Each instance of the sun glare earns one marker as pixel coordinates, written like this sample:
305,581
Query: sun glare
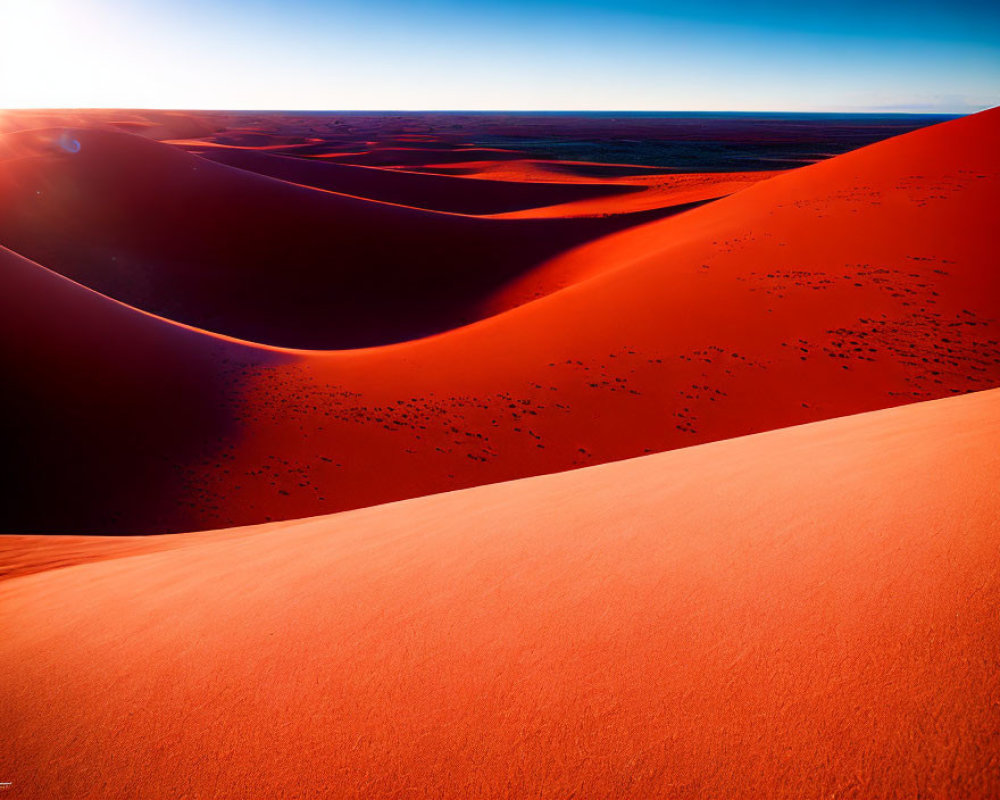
59,53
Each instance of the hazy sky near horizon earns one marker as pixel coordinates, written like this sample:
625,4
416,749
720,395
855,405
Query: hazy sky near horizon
505,54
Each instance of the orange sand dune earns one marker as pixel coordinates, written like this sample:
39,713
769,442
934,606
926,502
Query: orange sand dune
804,613
863,282
254,257
28,554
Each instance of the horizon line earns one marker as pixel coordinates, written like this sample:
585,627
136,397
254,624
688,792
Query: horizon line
221,110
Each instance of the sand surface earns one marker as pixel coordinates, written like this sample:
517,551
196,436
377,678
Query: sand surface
865,281
803,613
323,357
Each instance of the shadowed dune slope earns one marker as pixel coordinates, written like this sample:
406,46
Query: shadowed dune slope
104,406
419,190
416,156
838,294
255,257
808,612
530,196
529,169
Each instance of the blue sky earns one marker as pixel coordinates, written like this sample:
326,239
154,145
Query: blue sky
506,54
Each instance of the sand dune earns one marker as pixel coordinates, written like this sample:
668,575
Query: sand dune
593,142
105,408
658,191
254,257
773,307
804,613
528,191
416,156
750,316
435,192
836,205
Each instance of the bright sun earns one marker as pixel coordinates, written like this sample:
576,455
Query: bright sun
36,49
60,53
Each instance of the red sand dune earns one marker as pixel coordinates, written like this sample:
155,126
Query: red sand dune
200,146
565,171
418,190
655,191
805,613
862,282
419,156
105,407
535,133
861,201
763,316
250,256
529,192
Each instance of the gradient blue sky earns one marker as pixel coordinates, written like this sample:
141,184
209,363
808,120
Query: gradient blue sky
506,54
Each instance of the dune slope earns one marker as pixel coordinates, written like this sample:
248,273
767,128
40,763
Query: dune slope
104,408
863,282
808,612
256,257
418,190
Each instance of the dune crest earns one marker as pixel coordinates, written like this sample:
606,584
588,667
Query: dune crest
259,258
